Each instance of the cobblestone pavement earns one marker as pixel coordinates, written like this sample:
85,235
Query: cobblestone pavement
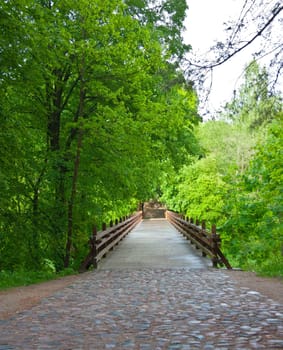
149,309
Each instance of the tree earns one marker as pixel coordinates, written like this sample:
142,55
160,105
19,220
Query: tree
93,120
236,180
254,226
254,105
202,191
257,26
167,19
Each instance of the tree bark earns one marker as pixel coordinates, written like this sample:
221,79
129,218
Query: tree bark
71,201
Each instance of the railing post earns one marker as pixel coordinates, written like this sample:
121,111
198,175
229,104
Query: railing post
111,225
208,243
214,243
104,226
203,227
93,241
197,224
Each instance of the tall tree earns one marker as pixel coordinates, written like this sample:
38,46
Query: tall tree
254,105
94,109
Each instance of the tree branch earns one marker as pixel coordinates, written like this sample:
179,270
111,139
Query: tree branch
259,33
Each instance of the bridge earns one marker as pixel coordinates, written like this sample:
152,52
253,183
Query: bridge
155,241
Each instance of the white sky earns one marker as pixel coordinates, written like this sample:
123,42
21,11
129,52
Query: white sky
204,25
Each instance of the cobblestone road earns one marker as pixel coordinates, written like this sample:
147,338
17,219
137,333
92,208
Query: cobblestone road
149,309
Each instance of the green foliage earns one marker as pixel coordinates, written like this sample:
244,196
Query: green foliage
271,267
201,191
92,115
10,279
254,106
257,210
237,180
167,19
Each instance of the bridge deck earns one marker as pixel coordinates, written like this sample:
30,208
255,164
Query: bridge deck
154,243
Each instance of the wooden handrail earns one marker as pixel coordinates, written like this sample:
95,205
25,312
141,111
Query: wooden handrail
103,241
209,243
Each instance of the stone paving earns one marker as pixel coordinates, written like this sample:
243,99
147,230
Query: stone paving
167,299
149,309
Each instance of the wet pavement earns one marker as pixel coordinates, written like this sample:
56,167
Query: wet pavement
149,308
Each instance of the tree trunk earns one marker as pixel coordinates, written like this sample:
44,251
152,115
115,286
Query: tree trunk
75,176
72,200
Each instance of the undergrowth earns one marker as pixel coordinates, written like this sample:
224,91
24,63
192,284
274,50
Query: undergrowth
9,279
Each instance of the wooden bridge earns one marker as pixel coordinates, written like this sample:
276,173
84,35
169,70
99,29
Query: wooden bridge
155,241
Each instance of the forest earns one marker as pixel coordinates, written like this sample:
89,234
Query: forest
97,116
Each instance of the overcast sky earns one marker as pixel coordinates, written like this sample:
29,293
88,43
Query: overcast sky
204,25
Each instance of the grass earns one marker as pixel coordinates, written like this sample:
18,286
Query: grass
10,279
272,267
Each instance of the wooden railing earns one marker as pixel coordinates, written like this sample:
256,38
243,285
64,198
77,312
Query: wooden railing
103,241
207,242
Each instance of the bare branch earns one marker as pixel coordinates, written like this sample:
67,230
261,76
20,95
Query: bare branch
255,27
259,33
